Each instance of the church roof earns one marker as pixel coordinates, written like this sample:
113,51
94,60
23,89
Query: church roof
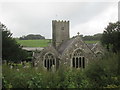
64,45
90,45
68,43
98,47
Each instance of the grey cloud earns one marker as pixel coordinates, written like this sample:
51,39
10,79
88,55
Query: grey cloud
37,17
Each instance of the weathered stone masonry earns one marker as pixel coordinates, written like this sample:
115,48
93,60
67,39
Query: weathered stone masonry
72,52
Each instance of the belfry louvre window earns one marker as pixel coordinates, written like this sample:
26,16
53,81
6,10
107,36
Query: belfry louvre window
78,60
49,61
62,28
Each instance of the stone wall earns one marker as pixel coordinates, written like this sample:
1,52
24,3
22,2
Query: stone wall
60,32
77,44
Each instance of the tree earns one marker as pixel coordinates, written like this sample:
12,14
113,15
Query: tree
31,37
97,36
11,50
111,37
92,37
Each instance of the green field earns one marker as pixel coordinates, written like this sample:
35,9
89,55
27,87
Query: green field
91,42
34,43
41,43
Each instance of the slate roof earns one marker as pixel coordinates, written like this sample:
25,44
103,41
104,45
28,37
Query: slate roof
90,45
64,45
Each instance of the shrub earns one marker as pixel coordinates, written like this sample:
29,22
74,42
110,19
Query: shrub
99,74
35,81
103,72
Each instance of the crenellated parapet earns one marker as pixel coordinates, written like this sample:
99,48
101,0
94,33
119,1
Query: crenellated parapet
60,30
60,21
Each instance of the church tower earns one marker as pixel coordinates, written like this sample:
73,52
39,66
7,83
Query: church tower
60,32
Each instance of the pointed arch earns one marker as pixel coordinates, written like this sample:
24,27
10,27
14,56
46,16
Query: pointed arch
49,60
78,59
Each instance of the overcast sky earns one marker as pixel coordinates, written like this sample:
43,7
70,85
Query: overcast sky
88,18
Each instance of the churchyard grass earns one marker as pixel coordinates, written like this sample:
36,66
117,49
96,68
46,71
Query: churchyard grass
41,43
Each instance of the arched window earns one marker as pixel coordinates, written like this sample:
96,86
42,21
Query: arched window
49,61
78,60
73,62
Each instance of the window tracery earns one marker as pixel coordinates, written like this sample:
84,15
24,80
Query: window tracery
78,60
49,61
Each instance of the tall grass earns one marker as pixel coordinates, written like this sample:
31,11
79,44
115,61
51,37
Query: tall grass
39,78
104,72
99,74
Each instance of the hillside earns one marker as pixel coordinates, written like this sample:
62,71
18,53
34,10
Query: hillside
34,43
41,43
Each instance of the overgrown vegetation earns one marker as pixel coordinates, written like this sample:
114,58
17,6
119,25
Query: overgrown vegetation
104,72
99,74
111,37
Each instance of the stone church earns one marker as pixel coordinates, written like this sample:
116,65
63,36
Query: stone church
63,50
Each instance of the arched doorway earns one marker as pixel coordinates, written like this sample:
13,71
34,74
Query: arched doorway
49,61
78,59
